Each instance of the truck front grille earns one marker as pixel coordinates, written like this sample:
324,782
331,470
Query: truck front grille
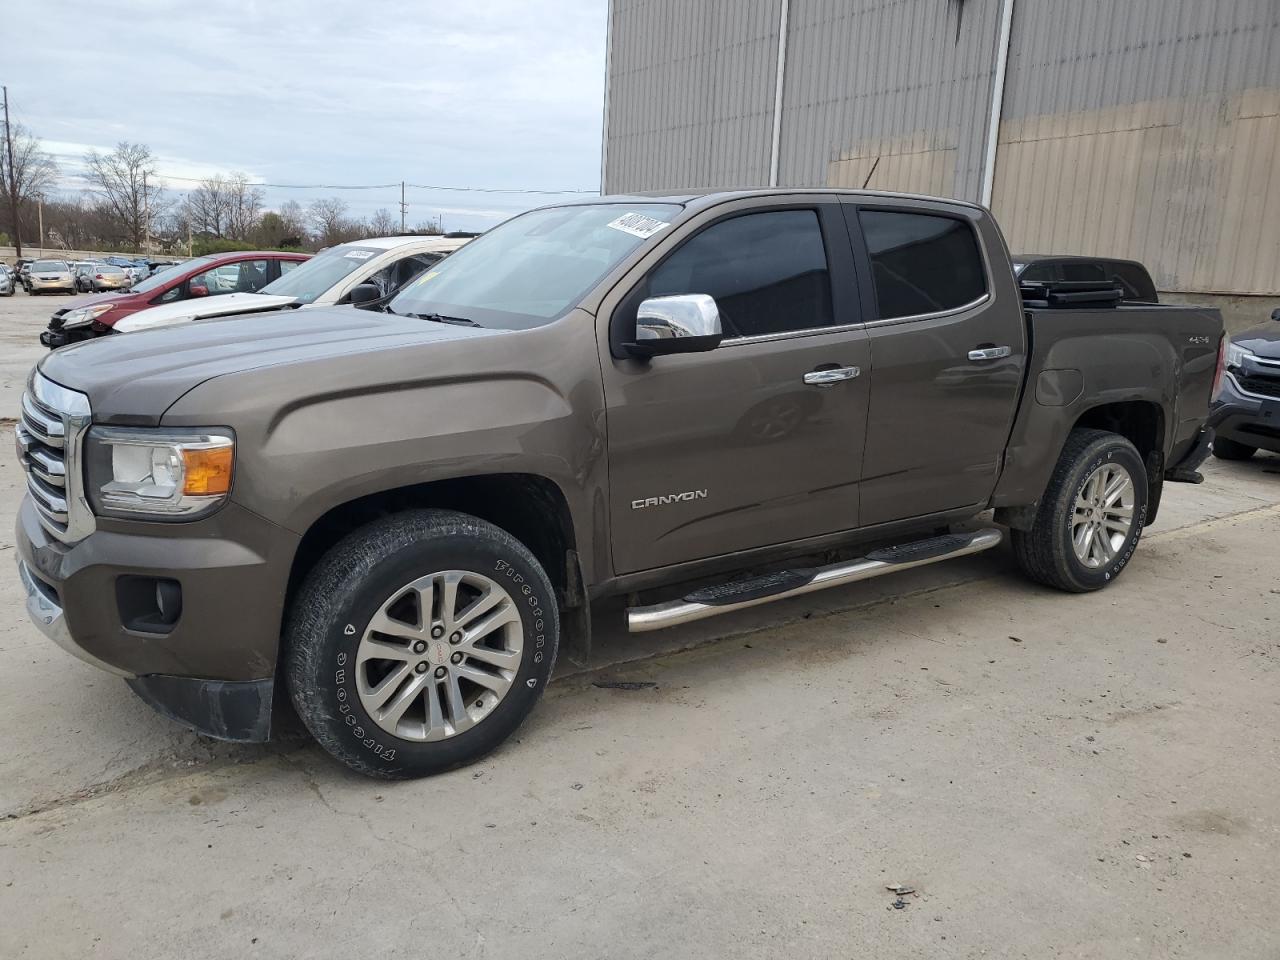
1260,386
50,436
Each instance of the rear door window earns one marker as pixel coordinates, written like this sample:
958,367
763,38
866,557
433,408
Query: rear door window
922,263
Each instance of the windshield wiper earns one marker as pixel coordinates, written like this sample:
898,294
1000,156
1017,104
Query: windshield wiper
441,318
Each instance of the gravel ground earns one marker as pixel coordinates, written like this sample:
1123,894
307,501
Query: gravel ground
1054,776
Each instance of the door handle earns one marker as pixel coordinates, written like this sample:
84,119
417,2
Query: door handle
825,378
990,353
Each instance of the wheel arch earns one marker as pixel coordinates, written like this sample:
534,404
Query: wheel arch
1031,460
1142,423
530,507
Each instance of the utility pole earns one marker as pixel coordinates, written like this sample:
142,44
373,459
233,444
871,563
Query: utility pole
10,178
146,214
40,214
188,237
403,206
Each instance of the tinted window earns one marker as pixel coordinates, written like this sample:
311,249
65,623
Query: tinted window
922,263
1135,281
1039,273
1075,270
767,272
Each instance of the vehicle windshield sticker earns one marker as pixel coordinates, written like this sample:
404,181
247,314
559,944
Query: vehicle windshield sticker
359,255
638,225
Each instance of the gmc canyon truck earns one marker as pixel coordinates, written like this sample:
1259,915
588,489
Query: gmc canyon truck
701,403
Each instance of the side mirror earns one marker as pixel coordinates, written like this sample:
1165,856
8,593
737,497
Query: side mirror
198,290
364,293
1275,314
688,323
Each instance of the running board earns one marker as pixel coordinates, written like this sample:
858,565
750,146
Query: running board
740,594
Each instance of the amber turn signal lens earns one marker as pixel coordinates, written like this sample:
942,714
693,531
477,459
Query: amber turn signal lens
207,472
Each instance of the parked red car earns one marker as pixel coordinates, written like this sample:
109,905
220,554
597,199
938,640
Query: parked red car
240,272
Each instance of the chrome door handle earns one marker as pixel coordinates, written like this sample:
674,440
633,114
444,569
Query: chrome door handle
990,353
824,378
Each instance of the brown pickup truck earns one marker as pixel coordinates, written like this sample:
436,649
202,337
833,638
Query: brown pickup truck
700,402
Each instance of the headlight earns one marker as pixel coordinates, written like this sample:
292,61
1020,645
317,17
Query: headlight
84,316
158,474
1237,355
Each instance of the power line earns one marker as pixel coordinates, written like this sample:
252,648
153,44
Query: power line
385,186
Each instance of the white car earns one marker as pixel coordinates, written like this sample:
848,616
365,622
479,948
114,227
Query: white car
379,267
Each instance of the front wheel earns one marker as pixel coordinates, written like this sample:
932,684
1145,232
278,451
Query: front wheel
420,643
1091,517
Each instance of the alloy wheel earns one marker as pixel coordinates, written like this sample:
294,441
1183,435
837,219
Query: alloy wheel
1103,515
439,655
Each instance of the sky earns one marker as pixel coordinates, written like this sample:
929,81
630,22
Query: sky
484,93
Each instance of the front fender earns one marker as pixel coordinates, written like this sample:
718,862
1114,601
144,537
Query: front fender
313,436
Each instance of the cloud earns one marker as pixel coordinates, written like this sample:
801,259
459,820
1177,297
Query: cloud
488,93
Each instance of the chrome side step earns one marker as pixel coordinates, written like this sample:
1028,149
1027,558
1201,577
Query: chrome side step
725,598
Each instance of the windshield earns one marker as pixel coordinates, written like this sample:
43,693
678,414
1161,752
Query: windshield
163,278
307,281
49,266
535,267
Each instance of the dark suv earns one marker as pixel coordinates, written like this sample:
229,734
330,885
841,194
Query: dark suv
1246,411
240,272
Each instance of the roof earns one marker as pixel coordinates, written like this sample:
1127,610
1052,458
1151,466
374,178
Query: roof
706,198
1075,257
250,254
435,242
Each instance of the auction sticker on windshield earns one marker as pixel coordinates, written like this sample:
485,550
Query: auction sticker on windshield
359,255
638,225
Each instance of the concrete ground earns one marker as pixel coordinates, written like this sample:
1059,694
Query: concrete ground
1055,776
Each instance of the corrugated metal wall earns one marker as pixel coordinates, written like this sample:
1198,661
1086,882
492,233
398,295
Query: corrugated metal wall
690,93
906,83
1140,128
1148,129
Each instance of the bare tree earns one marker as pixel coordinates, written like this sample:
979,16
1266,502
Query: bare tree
293,223
26,172
429,228
244,208
125,182
208,207
382,224
329,216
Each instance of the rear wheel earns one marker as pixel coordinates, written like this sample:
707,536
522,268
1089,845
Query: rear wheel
1225,449
420,643
1091,517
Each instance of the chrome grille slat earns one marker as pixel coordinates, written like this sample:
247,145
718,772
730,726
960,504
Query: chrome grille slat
47,467
49,502
44,428
50,436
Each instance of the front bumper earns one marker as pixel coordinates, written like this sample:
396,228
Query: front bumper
214,670
60,338
1247,418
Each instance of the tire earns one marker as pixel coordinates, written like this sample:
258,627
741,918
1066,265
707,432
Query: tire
378,570
1047,553
1225,449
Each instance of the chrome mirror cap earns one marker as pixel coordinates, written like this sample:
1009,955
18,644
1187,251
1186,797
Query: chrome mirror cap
687,323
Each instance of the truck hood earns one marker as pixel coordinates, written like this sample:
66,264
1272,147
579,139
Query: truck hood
184,311
1261,341
133,380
